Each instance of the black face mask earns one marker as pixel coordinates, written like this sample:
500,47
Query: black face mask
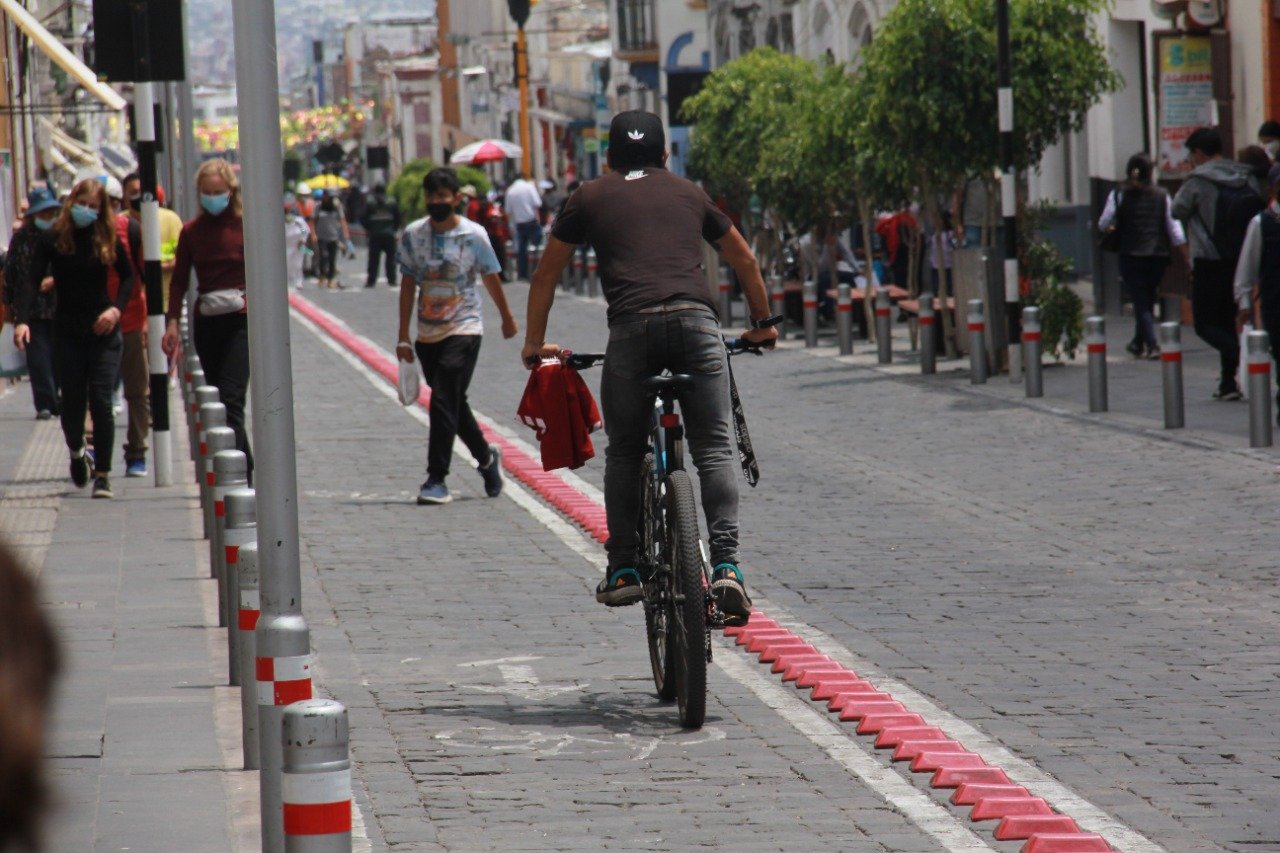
136,202
439,212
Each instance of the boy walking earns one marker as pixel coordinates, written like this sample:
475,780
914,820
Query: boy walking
443,258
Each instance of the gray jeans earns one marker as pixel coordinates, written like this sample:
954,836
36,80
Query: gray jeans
681,340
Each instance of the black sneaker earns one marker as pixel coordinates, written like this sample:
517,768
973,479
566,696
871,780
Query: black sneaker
730,593
1134,348
620,588
81,468
102,487
492,473
1228,392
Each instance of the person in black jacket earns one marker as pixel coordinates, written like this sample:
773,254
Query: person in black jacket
1143,215
77,252
37,335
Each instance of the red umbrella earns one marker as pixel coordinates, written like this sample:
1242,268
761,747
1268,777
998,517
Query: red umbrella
486,151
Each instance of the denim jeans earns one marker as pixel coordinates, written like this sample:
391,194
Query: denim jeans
87,368
642,345
527,234
1143,275
44,382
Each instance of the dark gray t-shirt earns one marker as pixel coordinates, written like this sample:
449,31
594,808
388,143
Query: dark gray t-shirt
647,227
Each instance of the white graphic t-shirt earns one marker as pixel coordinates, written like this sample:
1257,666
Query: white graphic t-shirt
447,267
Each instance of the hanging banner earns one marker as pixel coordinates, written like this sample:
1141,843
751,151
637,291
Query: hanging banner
1184,76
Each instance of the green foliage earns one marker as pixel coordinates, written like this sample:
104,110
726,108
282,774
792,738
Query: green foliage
1045,269
407,187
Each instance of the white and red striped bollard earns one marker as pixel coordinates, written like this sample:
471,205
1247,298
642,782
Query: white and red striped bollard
1095,341
977,342
844,318
240,529
316,784
810,306
1258,361
884,328
1171,375
593,274
220,440
282,665
246,623
778,301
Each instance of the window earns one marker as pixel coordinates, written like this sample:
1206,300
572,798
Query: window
637,28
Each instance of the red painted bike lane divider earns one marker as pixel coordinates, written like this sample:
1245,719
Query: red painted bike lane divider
986,790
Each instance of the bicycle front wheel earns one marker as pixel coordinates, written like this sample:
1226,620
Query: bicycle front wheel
688,601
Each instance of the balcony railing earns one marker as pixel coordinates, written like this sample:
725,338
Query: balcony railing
637,26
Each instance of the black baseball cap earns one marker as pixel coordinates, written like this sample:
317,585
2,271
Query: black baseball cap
636,138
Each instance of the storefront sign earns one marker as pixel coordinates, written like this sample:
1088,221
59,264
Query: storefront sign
1185,76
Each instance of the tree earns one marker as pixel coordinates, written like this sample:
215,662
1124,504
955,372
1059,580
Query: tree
407,187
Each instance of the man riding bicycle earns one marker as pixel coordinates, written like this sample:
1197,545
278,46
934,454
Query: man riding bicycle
647,226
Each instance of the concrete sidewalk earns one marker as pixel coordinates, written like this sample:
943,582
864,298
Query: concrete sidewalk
144,743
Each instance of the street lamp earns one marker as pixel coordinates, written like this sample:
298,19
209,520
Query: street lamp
520,14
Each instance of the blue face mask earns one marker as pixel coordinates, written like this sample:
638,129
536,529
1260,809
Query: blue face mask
42,224
83,216
215,204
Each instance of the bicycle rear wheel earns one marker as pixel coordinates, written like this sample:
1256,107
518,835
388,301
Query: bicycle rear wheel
653,562
688,601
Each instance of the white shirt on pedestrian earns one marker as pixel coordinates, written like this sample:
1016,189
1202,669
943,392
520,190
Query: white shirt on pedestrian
523,201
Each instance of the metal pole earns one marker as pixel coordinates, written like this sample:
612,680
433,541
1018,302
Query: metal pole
283,664
579,274
844,318
1031,350
593,274
211,415
884,330
217,439
230,471
726,300
241,528
810,314
1171,370
928,336
193,408
778,300
1095,339
317,777
1008,182
522,82
246,623
1258,359
185,200
977,343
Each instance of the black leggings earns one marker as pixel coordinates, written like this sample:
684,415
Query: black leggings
87,367
328,258
222,343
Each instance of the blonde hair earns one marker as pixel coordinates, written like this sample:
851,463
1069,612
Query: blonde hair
104,227
217,167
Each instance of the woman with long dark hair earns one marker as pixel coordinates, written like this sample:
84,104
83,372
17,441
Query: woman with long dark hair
77,251
213,245
1142,213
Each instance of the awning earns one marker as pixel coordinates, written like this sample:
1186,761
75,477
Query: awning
56,51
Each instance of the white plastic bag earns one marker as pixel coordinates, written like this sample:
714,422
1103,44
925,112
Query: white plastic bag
13,362
407,386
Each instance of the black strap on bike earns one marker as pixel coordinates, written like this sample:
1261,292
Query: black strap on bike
746,456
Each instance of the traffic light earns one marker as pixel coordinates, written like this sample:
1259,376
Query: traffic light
519,11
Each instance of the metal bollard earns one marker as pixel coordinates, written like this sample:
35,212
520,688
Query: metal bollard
535,258
593,274
726,301
189,408
778,304
1032,346
509,252
246,623
884,328
579,274
211,415
810,314
316,783
844,318
282,670
977,343
1258,359
241,528
1171,370
190,365
1095,340
928,335
201,394
228,470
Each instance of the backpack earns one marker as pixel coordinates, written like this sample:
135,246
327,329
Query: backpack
1232,212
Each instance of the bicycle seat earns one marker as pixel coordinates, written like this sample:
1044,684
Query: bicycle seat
675,382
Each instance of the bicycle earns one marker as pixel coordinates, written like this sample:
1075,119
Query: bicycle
674,562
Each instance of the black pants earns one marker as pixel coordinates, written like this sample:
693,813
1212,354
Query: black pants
328,259
1214,306
1271,325
44,381
222,343
380,244
447,366
1143,274
87,367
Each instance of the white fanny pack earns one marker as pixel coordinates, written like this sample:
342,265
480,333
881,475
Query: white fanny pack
218,302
